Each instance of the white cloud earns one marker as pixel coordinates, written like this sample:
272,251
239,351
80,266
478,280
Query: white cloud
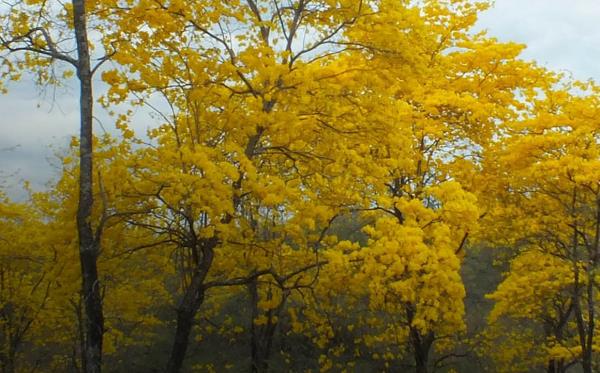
33,125
560,34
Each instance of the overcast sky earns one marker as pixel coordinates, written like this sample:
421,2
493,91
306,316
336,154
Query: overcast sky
560,34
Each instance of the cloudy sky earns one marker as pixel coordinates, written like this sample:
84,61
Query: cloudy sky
560,34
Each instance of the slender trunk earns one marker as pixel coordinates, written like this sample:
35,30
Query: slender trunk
81,330
262,336
421,346
591,296
420,343
88,247
551,366
581,330
188,307
185,322
580,322
257,362
586,364
587,358
556,366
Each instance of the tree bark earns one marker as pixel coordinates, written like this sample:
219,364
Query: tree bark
556,366
587,357
185,321
88,245
261,336
257,362
420,343
188,307
421,346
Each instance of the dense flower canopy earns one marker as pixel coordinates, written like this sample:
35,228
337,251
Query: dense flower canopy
320,178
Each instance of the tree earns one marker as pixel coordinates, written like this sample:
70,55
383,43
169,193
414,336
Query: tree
24,282
549,163
426,159
35,35
237,103
536,297
317,174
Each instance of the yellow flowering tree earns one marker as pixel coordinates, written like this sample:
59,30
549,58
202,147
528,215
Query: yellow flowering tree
547,163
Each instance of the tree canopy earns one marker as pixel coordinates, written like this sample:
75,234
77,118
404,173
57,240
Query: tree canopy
321,181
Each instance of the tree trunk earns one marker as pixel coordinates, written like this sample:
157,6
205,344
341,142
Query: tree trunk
551,366
556,366
260,343
188,307
185,322
586,362
256,362
421,346
587,358
88,245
